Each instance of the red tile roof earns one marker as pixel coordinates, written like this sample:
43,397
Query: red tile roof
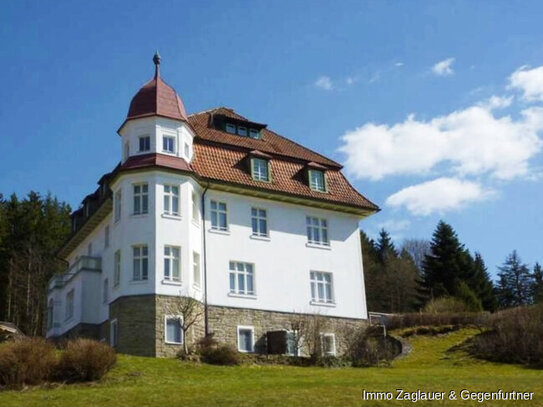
156,98
155,160
269,142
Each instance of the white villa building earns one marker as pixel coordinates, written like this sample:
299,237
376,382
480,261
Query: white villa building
219,208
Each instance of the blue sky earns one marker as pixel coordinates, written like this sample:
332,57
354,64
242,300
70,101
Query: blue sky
433,107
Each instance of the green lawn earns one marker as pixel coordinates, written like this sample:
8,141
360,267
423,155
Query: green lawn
167,382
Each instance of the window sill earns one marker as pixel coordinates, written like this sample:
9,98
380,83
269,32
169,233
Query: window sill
170,282
173,343
139,215
169,152
318,246
323,304
219,232
168,216
258,237
246,351
247,296
196,223
138,281
197,287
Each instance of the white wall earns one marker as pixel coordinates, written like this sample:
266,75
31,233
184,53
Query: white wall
283,263
156,128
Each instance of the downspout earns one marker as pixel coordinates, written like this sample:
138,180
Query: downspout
206,316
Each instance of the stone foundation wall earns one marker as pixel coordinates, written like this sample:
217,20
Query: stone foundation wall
141,325
223,323
136,326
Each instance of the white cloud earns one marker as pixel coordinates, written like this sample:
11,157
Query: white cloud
439,195
398,64
529,81
497,102
351,80
472,141
394,226
443,68
324,82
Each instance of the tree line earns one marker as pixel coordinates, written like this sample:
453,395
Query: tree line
405,279
31,231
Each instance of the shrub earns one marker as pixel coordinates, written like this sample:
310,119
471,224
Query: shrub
446,305
26,361
436,319
217,354
369,347
225,355
514,337
85,360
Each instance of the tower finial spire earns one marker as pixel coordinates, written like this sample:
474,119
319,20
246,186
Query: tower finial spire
156,60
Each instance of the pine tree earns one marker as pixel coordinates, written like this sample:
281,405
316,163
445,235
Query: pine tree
537,284
446,265
384,246
514,284
482,285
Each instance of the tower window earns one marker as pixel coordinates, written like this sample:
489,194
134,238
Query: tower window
145,143
242,131
168,144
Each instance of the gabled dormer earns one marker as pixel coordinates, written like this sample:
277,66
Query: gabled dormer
156,122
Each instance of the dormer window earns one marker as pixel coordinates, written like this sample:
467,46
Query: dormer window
260,169
168,144
144,143
242,131
230,128
317,181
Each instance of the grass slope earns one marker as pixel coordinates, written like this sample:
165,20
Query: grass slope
167,382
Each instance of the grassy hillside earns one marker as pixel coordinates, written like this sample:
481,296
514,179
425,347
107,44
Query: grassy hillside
167,382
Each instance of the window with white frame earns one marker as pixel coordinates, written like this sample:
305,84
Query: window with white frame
105,294
242,131
70,304
322,287
141,199
118,202
126,150
260,169
230,128
259,222
328,344
293,343
117,268
140,262
168,144
317,230
50,313
219,216
246,339
106,237
144,143
173,332
171,200
317,181
242,278
187,150
196,269
195,207
171,263
113,333
254,133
